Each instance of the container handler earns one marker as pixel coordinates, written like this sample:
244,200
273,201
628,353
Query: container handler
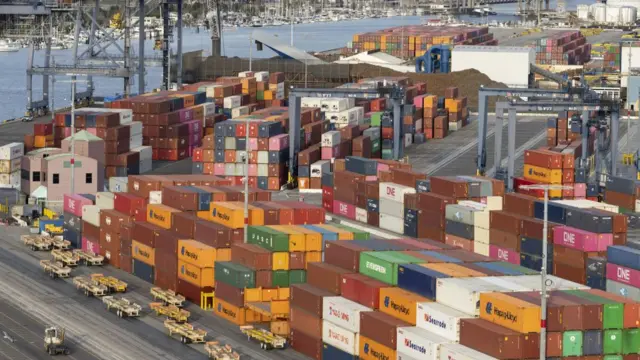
267,339
54,341
110,282
124,307
37,242
90,259
220,352
188,334
55,269
168,297
90,286
171,311
68,258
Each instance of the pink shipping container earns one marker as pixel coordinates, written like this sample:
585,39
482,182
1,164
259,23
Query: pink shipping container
218,169
344,209
90,246
580,239
418,101
623,275
253,169
580,190
253,144
382,167
279,142
73,204
502,254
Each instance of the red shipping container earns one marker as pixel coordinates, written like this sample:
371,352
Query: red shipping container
306,345
130,204
192,292
343,254
362,289
325,276
308,298
126,263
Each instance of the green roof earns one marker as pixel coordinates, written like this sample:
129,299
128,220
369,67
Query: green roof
53,157
84,135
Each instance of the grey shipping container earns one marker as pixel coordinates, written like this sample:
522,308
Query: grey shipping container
486,187
72,221
592,342
390,207
327,179
143,271
74,236
304,171
580,176
590,221
373,205
269,129
622,185
241,143
459,229
361,165
625,290
197,168
596,266
534,246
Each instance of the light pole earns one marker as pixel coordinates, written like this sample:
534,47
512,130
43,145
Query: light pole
246,180
73,127
543,270
250,51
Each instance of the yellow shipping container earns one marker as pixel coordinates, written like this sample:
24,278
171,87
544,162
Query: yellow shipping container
229,312
284,293
223,254
453,105
371,350
512,313
268,95
252,295
296,239
400,304
269,294
342,234
227,214
280,307
356,38
256,215
199,277
251,316
312,239
196,253
311,257
280,261
430,101
204,215
280,328
144,253
160,215
537,173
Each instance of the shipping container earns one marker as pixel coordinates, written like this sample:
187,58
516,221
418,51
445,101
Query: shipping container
361,289
373,350
510,312
383,266
625,256
160,215
343,312
463,294
306,345
325,276
491,339
380,328
461,352
201,277
143,253
419,279
400,303
143,271
229,312
196,253
235,274
419,343
340,337
305,322
309,298
332,352
440,319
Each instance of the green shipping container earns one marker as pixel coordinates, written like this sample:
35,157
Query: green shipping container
612,357
383,265
612,311
357,234
376,118
280,278
572,343
612,342
297,277
268,238
387,154
235,274
630,341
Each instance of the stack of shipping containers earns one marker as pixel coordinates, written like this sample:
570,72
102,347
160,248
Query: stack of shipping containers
11,166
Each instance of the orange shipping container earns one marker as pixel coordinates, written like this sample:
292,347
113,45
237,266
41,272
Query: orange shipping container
296,239
371,350
280,328
454,270
313,239
200,277
196,253
400,304
228,214
311,257
223,254
160,215
144,253
252,295
510,312
229,312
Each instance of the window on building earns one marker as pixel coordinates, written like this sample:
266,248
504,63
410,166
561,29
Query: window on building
24,175
45,156
56,178
89,178
36,176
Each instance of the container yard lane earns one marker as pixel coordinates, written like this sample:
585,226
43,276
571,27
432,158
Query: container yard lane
33,295
15,131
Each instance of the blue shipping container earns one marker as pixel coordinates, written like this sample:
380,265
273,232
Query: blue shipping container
360,165
378,245
143,271
411,222
333,353
535,262
556,213
419,280
596,282
534,246
73,236
459,229
49,224
500,267
204,197
624,256
373,205
441,256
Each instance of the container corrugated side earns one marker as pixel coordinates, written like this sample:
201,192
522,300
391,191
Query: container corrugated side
91,214
461,352
509,312
340,337
395,192
373,350
419,343
463,294
555,283
440,319
343,312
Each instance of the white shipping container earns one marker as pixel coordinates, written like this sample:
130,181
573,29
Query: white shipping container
490,60
359,113
261,76
494,203
390,207
230,169
480,235
136,128
239,111
345,117
319,167
245,74
311,102
155,197
395,192
481,248
455,125
104,200
461,352
334,105
263,157
10,181
401,356
209,108
135,141
340,338
91,214
463,294
211,90
263,170
460,213
440,319
229,143
330,138
419,124
555,283
343,312
239,170
9,166
637,206
231,102
146,152
408,140
118,184
240,156
12,151
145,166
588,204
392,223
361,215
419,343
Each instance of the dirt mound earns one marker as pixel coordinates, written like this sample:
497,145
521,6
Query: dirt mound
467,81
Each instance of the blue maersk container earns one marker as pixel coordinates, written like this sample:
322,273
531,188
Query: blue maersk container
333,353
143,271
419,279
624,256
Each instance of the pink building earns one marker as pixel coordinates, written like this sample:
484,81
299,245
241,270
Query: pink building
32,168
56,175
89,145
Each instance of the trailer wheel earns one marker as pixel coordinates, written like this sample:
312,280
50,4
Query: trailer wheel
66,352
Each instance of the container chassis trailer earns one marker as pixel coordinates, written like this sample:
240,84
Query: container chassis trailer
220,352
113,284
38,242
68,258
188,334
124,307
90,286
267,339
170,311
89,258
168,297
55,269
61,244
